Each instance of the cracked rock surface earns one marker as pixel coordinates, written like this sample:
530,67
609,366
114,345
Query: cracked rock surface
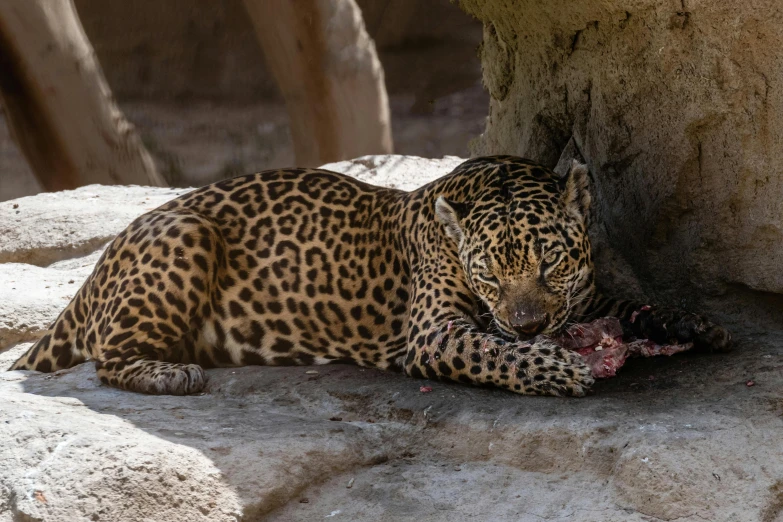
678,438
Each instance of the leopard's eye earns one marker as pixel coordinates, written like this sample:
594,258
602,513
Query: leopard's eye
483,272
552,257
487,278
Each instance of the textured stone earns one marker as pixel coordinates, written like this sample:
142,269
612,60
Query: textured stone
39,230
684,438
33,297
676,106
400,172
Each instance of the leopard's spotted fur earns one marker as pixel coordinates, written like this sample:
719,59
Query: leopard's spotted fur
306,266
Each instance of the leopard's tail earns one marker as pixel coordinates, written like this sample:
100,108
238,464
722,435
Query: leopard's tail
63,345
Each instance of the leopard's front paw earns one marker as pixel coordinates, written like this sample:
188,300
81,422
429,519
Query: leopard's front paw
561,372
668,325
703,333
582,380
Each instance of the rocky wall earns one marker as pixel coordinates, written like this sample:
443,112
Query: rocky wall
676,106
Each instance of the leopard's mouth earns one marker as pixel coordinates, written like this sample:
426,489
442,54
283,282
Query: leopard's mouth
509,334
506,333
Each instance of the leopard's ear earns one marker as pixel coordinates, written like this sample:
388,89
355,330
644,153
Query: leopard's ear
576,191
450,214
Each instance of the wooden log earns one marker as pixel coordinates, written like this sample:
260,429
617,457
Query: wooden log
327,68
58,105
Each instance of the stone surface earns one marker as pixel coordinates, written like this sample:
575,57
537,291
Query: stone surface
33,296
680,438
400,172
676,106
39,230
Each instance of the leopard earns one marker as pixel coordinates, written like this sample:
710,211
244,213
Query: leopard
466,279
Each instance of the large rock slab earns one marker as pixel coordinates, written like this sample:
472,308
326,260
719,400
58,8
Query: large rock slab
33,296
52,226
400,172
677,107
675,438
681,439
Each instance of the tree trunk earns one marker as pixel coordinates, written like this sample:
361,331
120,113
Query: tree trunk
329,73
59,107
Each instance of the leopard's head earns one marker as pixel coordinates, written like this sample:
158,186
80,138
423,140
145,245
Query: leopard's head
524,247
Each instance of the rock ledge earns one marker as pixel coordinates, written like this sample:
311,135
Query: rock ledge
678,438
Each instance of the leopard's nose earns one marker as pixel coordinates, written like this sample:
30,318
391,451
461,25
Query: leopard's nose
529,323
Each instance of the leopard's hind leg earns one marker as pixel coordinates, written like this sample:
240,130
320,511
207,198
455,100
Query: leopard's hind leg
139,364
161,276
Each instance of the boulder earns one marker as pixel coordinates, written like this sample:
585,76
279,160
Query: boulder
682,438
400,172
52,226
676,106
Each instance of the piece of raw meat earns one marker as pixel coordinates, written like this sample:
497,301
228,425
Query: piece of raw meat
601,345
